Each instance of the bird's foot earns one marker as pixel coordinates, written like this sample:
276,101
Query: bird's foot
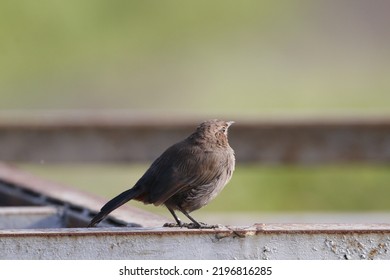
202,226
191,225
175,225
181,225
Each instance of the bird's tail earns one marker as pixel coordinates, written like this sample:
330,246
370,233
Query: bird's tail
115,203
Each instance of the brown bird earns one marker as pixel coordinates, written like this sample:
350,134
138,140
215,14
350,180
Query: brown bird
186,177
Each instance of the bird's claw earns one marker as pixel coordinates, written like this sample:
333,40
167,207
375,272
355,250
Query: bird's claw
191,225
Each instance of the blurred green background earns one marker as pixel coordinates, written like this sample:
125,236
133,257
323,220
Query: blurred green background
244,57
230,58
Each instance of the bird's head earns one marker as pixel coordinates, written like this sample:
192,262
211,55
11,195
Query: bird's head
216,130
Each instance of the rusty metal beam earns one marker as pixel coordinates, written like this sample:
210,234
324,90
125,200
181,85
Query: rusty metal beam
108,137
261,241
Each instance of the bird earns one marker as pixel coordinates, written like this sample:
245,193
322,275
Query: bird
185,177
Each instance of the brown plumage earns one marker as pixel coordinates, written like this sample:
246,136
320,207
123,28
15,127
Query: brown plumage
186,177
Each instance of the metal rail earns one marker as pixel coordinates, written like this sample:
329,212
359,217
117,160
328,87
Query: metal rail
271,241
127,138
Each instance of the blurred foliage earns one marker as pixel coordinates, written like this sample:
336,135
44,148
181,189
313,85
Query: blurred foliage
253,188
202,56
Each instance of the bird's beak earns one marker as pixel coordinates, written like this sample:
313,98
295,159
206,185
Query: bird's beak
229,123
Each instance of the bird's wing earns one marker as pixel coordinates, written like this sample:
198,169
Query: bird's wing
180,167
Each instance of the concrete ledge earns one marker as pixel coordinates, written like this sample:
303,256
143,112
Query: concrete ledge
260,241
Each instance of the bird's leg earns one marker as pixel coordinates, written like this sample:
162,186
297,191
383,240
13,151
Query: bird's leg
195,223
179,223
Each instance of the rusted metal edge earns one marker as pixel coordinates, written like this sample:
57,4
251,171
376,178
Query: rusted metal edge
318,228
221,231
75,199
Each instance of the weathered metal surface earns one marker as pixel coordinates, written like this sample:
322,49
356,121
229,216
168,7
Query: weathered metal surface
31,217
110,137
271,241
